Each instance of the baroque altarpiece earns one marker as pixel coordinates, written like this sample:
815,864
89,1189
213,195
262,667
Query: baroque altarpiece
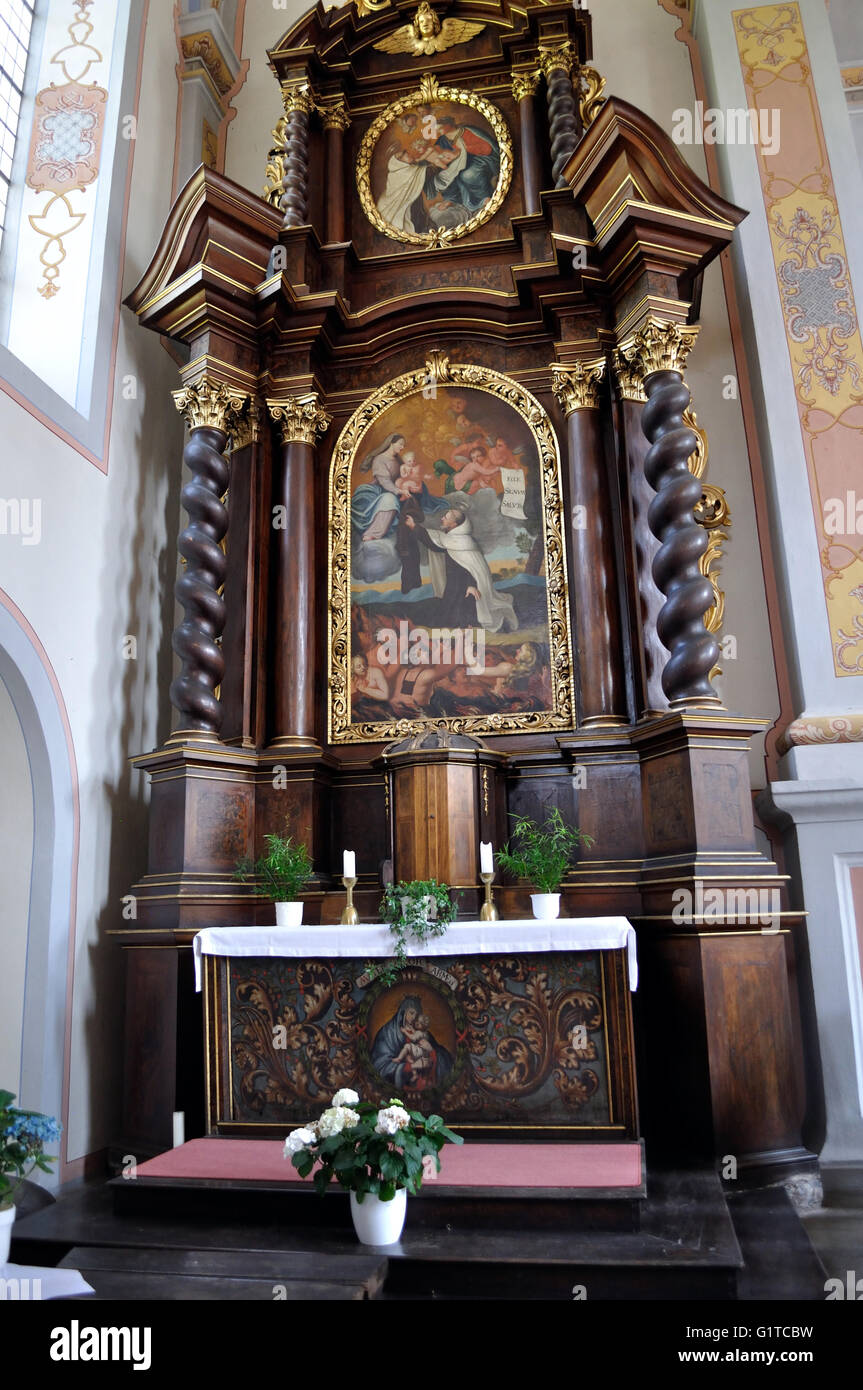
450,555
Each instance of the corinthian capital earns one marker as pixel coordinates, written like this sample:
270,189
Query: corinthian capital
577,385
552,59
335,115
210,404
660,346
524,84
300,417
297,96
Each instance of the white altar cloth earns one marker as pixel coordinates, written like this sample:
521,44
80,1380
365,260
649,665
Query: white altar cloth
461,939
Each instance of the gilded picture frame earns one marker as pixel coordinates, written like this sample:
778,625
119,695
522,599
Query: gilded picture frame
434,165
463,543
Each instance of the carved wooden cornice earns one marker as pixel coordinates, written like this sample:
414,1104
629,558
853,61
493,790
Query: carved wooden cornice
576,385
660,346
301,418
211,404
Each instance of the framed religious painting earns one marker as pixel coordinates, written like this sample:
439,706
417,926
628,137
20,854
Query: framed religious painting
447,568
434,166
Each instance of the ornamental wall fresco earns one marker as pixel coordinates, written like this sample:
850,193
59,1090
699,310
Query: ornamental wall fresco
821,324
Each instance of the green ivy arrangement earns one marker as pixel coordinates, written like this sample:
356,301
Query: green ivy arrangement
541,853
367,1148
281,874
415,911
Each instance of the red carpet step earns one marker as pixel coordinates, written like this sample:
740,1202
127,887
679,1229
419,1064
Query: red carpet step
546,1166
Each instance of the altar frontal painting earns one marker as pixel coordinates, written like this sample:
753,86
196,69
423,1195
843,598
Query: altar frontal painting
487,1041
447,569
434,166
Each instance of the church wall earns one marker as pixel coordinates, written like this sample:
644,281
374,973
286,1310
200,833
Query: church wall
16,837
101,574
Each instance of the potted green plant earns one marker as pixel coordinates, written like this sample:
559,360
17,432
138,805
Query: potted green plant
281,874
415,912
542,854
23,1136
378,1154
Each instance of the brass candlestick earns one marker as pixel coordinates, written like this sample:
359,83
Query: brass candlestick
350,917
488,911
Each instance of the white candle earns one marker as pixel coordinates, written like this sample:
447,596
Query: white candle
179,1117
486,860
349,868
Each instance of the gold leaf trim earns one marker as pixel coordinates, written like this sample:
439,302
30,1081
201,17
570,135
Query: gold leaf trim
429,91
590,99
301,418
576,386
503,388
659,346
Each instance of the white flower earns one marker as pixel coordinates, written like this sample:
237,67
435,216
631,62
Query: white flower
392,1119
346,1097
299,1139
334,1120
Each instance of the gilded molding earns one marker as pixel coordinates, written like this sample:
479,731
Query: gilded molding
428,92
203,48
591,86
297,96
524,84
562,714
301,418
335,114
207,404
562,59
576,385
660,346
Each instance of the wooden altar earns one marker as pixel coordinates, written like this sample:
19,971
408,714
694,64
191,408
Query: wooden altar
519,1029
435,381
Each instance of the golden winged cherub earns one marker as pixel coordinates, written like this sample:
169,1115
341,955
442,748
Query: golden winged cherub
426,34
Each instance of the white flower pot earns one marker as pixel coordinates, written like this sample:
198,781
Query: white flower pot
377,1222
289,914
546,906
7,1218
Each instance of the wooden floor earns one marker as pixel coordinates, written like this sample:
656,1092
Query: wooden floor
691,1245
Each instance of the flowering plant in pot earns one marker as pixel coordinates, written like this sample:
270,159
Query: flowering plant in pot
23,1136
542,855
281,874
378,1154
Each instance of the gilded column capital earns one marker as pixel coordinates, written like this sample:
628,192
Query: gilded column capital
301,418
628,379
210,404
524,84
576,385
297,95
562,59
335,114
246,425
659,346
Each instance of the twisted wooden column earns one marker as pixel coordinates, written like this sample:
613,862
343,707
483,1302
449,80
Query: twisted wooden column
299,102
565,126
524,85
660,350
336,121
594,583
295,661
210,409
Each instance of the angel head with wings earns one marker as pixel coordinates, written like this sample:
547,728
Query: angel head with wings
426,35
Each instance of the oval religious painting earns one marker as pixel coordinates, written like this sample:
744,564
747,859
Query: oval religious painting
447,568
434,166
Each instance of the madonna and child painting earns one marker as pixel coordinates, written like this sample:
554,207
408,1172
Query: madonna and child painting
448,589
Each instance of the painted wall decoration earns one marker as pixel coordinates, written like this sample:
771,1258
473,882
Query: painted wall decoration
434,166
447,566
488,1041
821,323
